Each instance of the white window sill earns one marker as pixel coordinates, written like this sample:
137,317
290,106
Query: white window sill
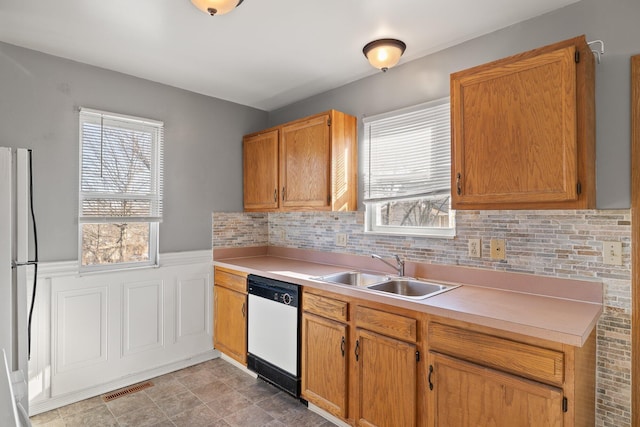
445,233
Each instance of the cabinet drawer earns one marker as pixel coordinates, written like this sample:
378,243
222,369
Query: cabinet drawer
392,325
511,356
230,279
325,307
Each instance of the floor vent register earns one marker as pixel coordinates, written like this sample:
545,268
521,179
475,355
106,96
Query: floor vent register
125,391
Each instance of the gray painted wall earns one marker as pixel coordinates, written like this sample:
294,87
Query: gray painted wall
40,94
427,78
39,98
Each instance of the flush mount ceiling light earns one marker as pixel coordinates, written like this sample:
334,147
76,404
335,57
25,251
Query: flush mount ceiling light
384,53
216,7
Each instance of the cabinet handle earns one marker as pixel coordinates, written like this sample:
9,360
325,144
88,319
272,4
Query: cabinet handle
429,379
244,309
357,350
342,346
458,186
275,195
283,193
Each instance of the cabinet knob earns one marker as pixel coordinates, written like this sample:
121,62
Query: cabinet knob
357,350
275,195
458,185
283,193
342,346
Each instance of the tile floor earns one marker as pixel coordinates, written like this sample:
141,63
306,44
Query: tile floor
213,393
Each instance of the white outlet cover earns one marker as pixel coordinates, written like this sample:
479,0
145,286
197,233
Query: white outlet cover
341,239
475,248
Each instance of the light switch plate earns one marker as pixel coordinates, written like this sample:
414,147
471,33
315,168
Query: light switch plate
475,248
341,239
612,253
498,249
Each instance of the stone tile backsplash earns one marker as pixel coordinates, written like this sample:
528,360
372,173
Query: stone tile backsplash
564,243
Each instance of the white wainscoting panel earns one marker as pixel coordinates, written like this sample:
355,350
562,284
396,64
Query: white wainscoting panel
193,308
81,328
98,332
143,319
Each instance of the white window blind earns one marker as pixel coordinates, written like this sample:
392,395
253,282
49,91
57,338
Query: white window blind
408,153
121,168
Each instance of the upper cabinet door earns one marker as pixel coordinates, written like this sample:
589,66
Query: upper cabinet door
310,164
523,131
305,173
260,162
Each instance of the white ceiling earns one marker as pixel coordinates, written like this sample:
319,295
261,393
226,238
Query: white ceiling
266,53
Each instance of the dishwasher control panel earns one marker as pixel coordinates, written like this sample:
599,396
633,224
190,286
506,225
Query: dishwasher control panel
274,290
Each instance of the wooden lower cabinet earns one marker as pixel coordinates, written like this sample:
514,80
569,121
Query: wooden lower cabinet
386,380
324,363
230,314
479,376
466,394
468,376
362,368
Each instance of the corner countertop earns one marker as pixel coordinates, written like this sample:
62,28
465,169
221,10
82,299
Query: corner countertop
559,319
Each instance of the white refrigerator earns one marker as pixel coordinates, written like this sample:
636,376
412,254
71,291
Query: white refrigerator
15,214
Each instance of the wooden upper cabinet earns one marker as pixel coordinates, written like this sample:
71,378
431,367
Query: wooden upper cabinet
306,164
523,131
314,168
260,161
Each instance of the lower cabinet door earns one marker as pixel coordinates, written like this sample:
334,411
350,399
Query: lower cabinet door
324,363
386,381
466,394
230,323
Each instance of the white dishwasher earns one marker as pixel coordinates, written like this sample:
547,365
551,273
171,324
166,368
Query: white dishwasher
273,332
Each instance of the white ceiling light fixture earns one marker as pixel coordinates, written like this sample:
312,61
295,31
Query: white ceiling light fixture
216,7
384,53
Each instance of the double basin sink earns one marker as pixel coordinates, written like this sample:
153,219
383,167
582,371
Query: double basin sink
398,286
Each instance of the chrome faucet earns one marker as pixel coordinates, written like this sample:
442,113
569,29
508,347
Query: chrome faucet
399,263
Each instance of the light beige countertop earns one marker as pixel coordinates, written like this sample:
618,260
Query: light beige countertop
560,310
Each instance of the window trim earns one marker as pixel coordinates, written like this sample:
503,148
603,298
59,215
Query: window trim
370,226
136,123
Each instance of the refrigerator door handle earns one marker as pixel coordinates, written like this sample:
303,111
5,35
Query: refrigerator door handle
15,264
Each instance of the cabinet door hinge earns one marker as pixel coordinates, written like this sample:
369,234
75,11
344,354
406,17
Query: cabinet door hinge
417,356
578,188
577,56
329,122
565,404
329,199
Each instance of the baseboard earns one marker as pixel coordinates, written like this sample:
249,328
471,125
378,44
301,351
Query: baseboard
327,416
57,402
238,365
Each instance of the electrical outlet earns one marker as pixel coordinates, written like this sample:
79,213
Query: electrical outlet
282,235
612,253
498,249
475,248
341,239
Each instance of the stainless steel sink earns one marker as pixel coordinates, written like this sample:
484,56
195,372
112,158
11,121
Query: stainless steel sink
411,288
353,278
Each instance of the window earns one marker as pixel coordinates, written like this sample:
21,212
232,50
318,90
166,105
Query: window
407,181
120,203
